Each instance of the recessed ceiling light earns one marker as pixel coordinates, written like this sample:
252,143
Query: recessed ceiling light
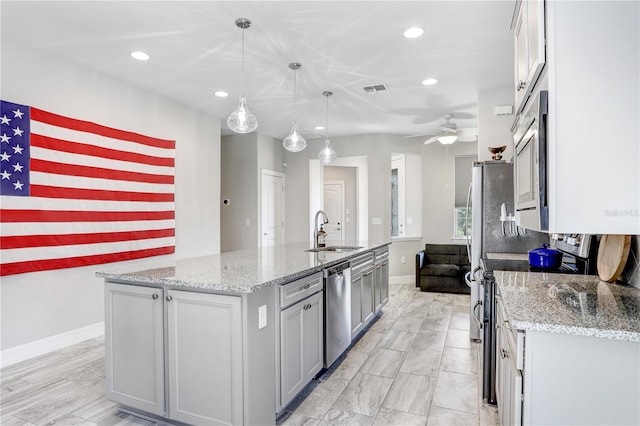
139,55
221,94
413,32
429,81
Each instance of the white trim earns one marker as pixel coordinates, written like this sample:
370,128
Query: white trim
402,279
49,344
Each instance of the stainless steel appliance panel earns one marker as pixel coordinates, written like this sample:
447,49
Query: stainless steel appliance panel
337,331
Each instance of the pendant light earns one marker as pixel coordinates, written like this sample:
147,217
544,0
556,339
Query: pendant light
327,154
294,142
241,120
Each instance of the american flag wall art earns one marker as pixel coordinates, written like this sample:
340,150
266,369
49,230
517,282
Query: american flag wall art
76,193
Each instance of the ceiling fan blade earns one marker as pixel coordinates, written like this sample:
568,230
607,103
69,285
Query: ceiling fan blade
468,131
467,138
420,135
448,130
431,140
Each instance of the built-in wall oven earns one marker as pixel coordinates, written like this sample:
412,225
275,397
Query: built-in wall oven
530,164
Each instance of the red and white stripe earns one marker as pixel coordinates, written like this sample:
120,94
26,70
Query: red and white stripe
98,195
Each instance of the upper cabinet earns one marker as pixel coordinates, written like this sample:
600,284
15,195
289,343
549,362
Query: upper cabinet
529,44
591,72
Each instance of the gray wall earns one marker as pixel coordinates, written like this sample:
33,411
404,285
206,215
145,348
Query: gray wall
438,193
348,175
242,159
377,149
38,305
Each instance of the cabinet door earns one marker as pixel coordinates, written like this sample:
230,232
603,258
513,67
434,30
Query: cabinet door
301,345
368,307
521,59
357,304
134,347
381,285
204,336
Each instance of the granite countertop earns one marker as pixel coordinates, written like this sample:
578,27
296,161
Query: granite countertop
570,304
238,272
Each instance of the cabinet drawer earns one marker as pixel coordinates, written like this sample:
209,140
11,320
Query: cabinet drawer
514,339
361,264
382,254
299,289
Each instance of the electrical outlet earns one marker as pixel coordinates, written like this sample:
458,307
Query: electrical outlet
247,221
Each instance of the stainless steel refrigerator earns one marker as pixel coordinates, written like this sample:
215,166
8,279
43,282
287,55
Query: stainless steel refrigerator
493,229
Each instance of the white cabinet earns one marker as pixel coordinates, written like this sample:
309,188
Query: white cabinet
381,278
203,358
594,105
134,345
301,351
204,337
529,47
362,291
545,378
508,370
300,336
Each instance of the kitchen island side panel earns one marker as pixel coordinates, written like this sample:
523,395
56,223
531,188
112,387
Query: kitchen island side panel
259,358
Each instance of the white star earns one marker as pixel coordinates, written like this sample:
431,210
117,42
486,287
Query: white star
18,149
5,175
4,119
17,185
4,156
17,113
17,131
18,167
4,138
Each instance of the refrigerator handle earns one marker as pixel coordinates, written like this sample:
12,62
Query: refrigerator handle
475,317
466,221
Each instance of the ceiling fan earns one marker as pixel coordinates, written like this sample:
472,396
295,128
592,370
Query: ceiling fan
449,133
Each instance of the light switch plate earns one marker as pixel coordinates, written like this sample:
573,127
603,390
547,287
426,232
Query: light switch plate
376,221
262,317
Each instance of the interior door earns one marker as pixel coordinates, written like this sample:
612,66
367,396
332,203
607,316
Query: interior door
334,208
272,208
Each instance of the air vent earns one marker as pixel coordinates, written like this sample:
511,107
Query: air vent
377,88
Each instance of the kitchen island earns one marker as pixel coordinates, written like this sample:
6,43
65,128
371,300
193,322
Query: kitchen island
222,339
568,349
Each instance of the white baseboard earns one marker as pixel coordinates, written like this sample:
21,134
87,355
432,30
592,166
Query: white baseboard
402,279
49,344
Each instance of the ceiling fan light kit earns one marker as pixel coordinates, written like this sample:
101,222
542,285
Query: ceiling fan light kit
449,133
242,120
294,142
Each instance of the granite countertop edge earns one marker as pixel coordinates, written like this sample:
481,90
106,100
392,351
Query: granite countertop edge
530,308
149,276
576,331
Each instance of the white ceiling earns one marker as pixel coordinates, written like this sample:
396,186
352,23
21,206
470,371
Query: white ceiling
343,46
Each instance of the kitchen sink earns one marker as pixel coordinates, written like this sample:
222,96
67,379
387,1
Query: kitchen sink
334,248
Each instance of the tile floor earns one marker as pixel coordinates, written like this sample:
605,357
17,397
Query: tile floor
414,366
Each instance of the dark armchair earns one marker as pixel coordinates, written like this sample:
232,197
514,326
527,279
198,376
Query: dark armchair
441,268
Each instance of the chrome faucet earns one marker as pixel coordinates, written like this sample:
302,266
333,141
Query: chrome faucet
315,226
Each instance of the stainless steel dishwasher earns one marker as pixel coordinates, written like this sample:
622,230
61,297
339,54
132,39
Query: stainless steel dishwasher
337,312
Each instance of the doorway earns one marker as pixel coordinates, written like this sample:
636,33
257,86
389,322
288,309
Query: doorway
334,207
272,187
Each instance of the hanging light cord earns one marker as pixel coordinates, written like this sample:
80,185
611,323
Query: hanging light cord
243,62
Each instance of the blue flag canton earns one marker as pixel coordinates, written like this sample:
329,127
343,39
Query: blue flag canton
15,153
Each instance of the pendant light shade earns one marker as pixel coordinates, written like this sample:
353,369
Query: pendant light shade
294,142
242,120
327,154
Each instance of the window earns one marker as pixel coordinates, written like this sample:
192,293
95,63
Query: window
462,215
462,222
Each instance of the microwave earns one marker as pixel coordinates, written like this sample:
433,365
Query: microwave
530,164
